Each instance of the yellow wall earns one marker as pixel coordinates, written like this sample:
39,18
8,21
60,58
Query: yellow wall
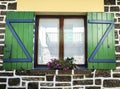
61,5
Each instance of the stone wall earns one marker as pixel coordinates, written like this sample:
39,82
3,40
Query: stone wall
51,79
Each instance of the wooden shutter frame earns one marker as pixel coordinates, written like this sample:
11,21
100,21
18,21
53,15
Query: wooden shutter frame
8,22
111,24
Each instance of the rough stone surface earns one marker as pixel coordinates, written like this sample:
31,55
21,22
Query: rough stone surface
65,72
78,76
117,14
98,81
6,74
106,9
63,78
62,84
89,87
117,48
2,7
46,84
114,9
34,72
33,85
49,78
1,48
117,26
33,79
103,73
2,25
14,81
78,88
3,13
12,6
82,71
1,18
89,75
83,82
116,75
109,2
116,34
111,83
2,86
2,79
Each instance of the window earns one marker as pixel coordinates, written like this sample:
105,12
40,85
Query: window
60,37
90,42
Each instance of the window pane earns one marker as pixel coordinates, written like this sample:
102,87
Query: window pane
74,39
48,40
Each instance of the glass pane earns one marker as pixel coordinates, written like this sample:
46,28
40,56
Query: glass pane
74,39
48,40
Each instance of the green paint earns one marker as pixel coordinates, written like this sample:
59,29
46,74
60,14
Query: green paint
25,32
95,32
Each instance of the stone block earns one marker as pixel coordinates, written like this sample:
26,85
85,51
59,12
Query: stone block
2,25
33,79
14,81
117,26
63,78
82,82
103,73
12,6
116,75
1,49
85,71
89,75
49,77
106,9
117,48
109,2
2,6
2,79
2,30
118,57
3,12
78,76
78,88
1,18
46,84
111,83
2,86
33,85
62,84
114,9
117,14
35,72
65,72
116,34
6,74
98,81
92,87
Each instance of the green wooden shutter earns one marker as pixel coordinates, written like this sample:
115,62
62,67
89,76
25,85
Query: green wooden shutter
18,50
100,37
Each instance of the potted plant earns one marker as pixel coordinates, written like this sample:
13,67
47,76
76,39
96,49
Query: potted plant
66,64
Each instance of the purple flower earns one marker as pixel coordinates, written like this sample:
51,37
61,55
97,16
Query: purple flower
49,64
65,68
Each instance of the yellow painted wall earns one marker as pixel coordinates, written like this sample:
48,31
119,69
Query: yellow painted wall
49,6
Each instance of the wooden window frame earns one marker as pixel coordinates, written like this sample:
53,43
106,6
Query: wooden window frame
61,37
